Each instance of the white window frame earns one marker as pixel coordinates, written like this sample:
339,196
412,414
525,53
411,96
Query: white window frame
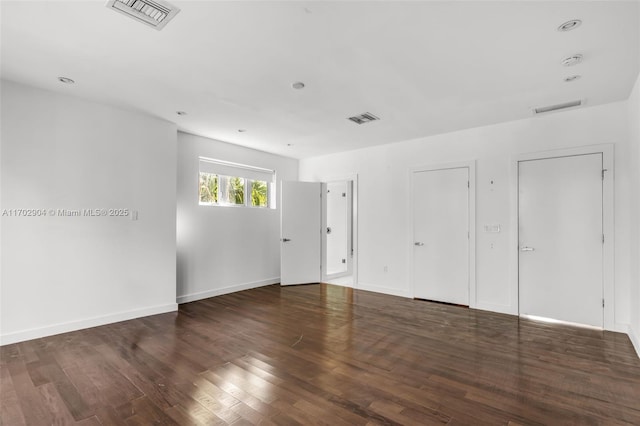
248,193
222,203
217,195
227,169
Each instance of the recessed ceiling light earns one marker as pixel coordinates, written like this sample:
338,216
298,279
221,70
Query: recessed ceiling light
298,85
572,78
570,25
65,80
572,60
181,112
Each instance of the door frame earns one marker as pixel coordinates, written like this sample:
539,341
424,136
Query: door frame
471,165
608,272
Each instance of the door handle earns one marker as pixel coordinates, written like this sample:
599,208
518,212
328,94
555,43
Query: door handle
284,240
418,244
527,249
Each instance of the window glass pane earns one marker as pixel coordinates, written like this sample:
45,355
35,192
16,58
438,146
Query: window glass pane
232,190
259,193
208,188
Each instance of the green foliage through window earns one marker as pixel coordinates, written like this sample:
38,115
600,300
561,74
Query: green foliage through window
222,183
259,197
208,188
235,190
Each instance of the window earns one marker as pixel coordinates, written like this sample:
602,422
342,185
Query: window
208,188
230,184
232,190
259,193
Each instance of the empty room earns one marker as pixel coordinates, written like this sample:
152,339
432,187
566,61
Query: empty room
319,212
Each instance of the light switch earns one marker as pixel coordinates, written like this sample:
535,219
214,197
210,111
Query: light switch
492,229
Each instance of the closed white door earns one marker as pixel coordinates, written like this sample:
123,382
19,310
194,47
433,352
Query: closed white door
560,235
300,225
441,235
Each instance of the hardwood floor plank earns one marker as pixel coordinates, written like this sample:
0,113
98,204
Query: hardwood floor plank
47,371
240,394
298,415
321,354
319,411
115,389
90,421
32,405
320,401
182,417
215,401
107,416
82,382
10,412
54,404
145,413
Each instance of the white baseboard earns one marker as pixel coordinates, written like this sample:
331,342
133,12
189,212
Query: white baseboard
50,330
501,309
620,328
340,282
635,339
383,290
192,297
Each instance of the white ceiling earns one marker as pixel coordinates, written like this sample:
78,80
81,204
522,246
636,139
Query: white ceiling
423,67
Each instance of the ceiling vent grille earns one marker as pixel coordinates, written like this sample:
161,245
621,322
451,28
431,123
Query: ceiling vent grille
557,107
367,117
155,13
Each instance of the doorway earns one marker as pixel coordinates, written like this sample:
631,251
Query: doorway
305,247
561,238
338,232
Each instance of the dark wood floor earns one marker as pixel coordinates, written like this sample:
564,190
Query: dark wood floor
321,354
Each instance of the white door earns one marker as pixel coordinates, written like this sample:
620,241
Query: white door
560,236
300,233
441,235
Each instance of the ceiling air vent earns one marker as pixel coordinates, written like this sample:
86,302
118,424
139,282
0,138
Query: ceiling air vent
155,13
364,118
557,107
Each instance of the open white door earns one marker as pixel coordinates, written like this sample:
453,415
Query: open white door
300,224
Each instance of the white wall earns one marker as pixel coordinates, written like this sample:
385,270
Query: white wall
384,204
66,273
634,196
225,249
